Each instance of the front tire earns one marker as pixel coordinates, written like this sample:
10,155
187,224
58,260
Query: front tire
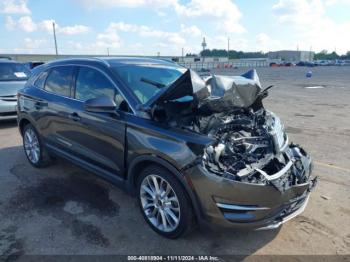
33,148
164,203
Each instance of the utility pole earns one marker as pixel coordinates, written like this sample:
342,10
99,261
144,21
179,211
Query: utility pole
204,45
228,48
54,36
107,51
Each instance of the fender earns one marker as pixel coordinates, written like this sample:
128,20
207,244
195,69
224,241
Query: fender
21,119
132,174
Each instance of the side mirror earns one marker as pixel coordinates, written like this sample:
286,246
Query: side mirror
100,104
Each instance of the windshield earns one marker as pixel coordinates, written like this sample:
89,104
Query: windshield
13,72
147,80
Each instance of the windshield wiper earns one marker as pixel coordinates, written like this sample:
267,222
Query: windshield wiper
153,83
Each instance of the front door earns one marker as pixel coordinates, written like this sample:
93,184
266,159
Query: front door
98,138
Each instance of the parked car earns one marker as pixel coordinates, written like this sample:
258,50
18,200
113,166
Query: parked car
191,151
13,76
34,64
306,63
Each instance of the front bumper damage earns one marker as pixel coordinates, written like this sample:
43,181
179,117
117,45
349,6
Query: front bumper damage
231,203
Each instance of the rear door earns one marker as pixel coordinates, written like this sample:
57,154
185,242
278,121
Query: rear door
98,138
55,106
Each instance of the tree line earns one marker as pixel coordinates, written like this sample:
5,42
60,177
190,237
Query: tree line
324,55
233,54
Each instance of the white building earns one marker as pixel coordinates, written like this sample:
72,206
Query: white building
292,56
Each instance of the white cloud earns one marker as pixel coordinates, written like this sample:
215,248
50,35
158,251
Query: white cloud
105,4
263,42
262,39
90,4
24,23
191,30
110,38
333,2
221,42
30,43
311,26
146,31
224,12
10,24
73,30
14,7
158,40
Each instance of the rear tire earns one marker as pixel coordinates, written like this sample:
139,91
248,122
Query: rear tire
33,148
164,202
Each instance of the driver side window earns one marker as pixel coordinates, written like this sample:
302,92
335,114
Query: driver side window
91,83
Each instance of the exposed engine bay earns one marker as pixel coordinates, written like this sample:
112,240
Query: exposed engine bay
250,143
252,147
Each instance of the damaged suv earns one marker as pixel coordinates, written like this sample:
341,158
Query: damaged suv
191,150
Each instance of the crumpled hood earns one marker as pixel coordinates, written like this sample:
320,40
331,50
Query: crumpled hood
228,92
10,88
215,94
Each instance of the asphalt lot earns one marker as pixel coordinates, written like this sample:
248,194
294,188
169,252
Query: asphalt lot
63,209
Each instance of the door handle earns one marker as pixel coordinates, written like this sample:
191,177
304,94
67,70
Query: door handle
40,104
74,116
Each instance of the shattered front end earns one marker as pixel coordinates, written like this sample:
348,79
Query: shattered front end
255,150
250,175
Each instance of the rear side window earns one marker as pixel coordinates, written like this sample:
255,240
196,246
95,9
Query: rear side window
90,83
41,80
59,81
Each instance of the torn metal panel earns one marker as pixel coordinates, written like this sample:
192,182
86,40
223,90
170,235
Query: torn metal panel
228,92
216,94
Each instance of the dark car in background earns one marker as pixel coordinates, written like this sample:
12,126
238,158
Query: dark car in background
191,151
13,76
31,65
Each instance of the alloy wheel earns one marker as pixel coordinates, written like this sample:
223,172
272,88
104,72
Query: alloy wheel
160,203
31,146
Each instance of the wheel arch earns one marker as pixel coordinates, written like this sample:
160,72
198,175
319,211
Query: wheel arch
141,162
22,123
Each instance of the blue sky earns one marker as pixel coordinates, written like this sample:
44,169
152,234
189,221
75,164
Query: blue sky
146,27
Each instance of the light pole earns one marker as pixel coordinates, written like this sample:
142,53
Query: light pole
228,48
182,54
204,45
54,36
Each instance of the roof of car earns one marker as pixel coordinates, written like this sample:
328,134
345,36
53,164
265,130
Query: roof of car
8,61
115,61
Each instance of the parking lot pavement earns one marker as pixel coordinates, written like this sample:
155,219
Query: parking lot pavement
63,209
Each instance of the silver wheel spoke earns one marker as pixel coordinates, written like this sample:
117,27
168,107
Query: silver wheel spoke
168,218
29,139
156,185
176,209
148,205
164,221
172,215
150,185
148,191
172,199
